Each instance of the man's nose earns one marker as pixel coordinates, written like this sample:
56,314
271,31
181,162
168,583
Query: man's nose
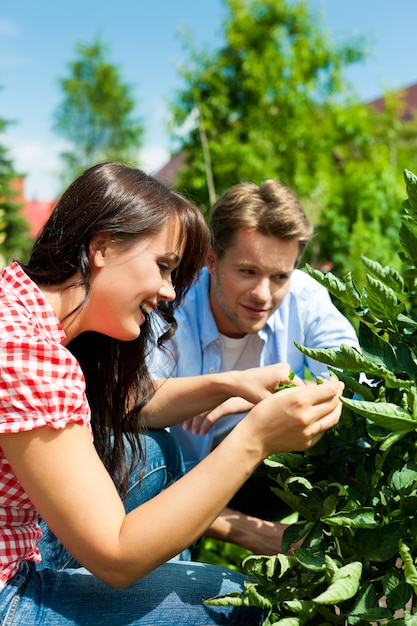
262,290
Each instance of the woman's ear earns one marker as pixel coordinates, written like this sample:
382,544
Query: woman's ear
211,260
98,248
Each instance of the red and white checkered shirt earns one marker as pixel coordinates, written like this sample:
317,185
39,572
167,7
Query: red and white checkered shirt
41,384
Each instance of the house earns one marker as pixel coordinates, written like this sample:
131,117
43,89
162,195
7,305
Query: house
36,212
408,100
168,174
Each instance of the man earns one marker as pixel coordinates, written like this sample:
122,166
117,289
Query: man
247,309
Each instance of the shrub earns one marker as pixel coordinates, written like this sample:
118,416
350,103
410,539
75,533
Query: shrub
356,490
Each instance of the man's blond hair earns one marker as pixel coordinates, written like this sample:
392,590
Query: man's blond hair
271,209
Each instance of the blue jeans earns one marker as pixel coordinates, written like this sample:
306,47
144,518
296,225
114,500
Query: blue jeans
61,593
169,596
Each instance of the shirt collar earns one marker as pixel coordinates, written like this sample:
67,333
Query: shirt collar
31,297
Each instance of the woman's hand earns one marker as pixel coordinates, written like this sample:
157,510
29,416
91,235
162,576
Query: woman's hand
294,419
183,399
256,383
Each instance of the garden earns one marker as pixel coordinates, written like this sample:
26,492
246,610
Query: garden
355,492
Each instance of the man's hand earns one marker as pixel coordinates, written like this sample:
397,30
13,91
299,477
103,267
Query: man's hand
201,424
255,384
252,533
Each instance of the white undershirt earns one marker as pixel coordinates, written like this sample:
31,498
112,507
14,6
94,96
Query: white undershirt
241,353
238,354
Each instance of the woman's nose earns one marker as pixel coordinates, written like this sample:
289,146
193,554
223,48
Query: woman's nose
167,291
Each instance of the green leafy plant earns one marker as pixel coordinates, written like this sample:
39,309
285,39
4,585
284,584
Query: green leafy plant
356,490
218,552
291,376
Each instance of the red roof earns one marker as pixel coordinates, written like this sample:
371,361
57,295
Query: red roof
408,101
36,212
168,174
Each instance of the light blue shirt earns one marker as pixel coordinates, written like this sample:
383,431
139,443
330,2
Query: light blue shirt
306,316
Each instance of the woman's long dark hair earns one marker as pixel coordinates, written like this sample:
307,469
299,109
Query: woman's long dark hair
127,204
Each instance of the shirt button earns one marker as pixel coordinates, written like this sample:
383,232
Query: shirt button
212,370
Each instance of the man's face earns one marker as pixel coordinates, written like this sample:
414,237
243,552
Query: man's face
249,282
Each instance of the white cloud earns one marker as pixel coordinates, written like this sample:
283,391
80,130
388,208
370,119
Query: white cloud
40,163
152,158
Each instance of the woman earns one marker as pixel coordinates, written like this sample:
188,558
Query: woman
120,248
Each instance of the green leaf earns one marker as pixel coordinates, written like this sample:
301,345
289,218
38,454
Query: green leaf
411,186
286,385
373,615
409,566
380,544
357,388
284,460
350,359
405,360
406,322
408,242
388,275
289,621
294,532
232,599
402,479
309,559
268,567
385,414
376,349
344,585
304,608
382,301
346,292
358,518
392,438
366,600
396,591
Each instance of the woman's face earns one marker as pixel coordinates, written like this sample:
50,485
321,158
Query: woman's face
128,283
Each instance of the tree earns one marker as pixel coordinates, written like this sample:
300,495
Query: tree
14,229
96,114
272,102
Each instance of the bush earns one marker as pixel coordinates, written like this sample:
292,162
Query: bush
356,490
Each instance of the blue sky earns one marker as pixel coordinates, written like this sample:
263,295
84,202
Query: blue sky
37,41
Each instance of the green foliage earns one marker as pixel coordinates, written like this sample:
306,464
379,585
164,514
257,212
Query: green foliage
218,552
356,490
286,385
272,102
14,229
96,114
